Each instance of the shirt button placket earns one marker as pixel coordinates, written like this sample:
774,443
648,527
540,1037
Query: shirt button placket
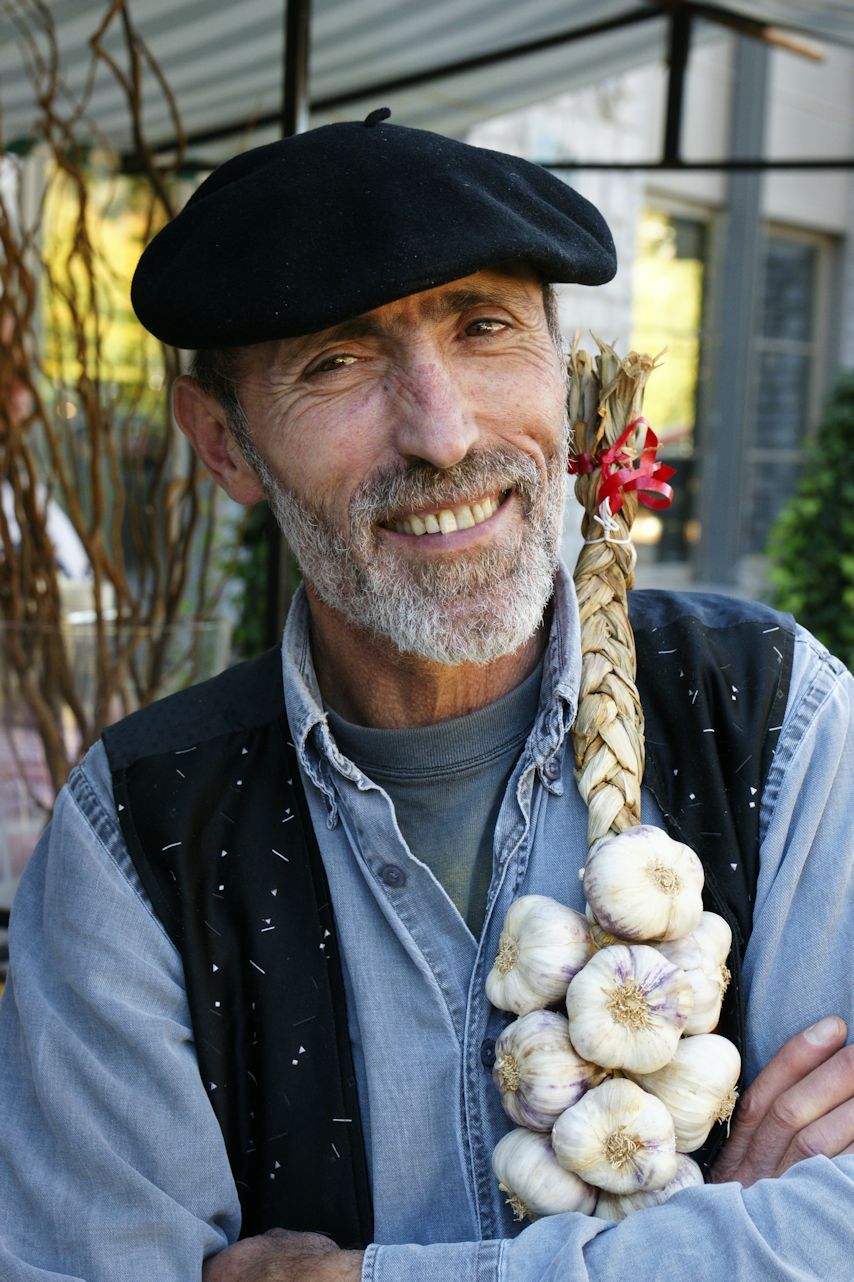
392,876
487,1052
551,769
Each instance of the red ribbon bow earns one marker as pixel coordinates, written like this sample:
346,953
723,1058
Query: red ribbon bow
649,478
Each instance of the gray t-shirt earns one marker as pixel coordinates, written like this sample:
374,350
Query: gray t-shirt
447,782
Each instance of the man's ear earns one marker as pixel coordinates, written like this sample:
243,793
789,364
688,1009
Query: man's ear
203,421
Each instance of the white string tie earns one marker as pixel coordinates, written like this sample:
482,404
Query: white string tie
609,524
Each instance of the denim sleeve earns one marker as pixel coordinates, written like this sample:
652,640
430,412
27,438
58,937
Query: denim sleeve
797,968
112,1165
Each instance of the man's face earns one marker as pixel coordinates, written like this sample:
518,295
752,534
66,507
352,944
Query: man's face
415,459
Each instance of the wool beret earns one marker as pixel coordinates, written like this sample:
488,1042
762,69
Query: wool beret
317,228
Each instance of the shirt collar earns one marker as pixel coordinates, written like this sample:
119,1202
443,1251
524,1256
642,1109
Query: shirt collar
558,695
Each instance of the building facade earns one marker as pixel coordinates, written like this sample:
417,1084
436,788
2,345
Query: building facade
743,280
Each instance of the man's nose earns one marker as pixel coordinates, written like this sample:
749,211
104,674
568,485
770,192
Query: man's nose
436,421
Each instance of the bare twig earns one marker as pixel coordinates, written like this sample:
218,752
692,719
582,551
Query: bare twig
76,435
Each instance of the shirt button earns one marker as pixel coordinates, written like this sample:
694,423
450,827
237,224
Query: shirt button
487,1052
393,876
551,769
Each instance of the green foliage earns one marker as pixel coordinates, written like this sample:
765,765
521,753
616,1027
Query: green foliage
251,574
811,548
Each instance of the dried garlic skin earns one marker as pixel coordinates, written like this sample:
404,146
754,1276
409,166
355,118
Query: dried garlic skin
627,1008
616,1206
698,1087
536,1184
543,945
601,937
537,1071
618,1138
642,885
702,955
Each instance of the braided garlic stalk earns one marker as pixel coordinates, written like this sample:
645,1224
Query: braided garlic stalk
605,396
634,1071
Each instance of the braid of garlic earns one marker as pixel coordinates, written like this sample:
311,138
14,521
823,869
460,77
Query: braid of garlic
605,395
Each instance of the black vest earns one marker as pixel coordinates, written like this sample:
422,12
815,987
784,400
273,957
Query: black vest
211,805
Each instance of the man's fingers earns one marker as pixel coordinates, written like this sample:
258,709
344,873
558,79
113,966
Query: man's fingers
800,1056
829,1136
810,1101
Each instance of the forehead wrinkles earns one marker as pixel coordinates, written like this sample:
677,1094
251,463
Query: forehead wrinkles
396,320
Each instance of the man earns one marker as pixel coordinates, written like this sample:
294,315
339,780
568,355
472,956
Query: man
195,1042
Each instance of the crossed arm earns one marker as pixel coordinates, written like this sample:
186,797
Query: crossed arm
122,1151
799,1106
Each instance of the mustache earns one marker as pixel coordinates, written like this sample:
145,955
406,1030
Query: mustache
391,492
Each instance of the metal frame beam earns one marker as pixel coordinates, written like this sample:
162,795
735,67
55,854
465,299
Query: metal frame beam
293,119
742,25
736,164
726,407
679,50
295,63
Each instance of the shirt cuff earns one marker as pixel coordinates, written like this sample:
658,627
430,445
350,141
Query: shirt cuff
474,1261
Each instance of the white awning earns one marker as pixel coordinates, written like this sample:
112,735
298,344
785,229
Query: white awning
223,59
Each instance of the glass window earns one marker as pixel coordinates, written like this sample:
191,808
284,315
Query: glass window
787,293
667,317
785,359
784,396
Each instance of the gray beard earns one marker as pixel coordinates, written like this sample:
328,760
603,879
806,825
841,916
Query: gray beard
472,606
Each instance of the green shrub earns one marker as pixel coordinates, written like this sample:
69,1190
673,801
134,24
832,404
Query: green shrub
250,575
811,548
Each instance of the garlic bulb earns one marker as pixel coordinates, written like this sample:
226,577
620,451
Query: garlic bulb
615,1206
697,1086
702,955
617,1137
527,1169
643,885
627,1008
543,944
602,938
537,1072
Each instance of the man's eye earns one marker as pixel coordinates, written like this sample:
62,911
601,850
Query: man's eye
328,363
485,327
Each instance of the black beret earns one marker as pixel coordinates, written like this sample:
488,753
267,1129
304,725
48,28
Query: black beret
317,228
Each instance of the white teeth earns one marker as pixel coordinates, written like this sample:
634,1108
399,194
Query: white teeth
446,520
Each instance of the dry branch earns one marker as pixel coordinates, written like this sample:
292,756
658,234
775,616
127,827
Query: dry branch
74,434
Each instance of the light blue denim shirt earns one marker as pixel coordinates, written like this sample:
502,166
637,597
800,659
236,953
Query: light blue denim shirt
112,1167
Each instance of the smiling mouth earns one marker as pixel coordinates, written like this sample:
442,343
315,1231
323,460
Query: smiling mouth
445,520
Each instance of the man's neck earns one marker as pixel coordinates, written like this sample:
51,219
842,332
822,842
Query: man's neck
368,681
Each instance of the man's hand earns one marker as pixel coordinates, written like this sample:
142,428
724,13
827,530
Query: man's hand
280,1256
801,1104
